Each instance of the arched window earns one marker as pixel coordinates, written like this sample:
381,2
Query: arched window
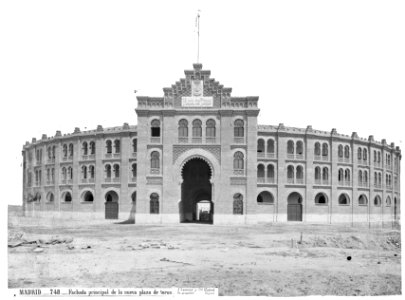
238,163
84,172
260,146
70,173
347,151
300,148
270,146
270,173
183,128
239,128
238,204
290,147
92,148
364,154
49,152
290,174
360,176
375,156
359,155
155,160
340,175
116,171
70,150
321,199
317,150
68,197
347,175
365,177
197,130
325,174
64,173
134,146
53,151
388,201
91,171
363,200
317,173
155,128
260,171
325,149
154,203
379,157
108,171
265,197
50,197
300,174
344,199
340,150
88,196
117,146
377,201
379,178
210,129
84,148
133,170
108,146
53,175
65,150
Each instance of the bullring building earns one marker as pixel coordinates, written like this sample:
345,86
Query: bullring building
197,154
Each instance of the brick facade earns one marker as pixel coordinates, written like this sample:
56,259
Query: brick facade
258,173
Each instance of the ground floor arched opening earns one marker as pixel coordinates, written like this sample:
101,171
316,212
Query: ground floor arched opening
196,193
294,207
111,205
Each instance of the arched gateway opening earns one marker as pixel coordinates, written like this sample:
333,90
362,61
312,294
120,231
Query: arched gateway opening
111,205
196,204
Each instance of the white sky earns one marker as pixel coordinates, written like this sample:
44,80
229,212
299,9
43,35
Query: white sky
329,64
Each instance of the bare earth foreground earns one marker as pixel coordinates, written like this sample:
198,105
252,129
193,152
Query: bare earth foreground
238,260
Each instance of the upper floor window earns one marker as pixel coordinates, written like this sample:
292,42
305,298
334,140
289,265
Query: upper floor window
340,150
117,146
270,146
300,148
347,151
155,128
134,146
238,163
197,130
155,160
290,147
325,149
210,129
70,150
183,128
239,128
108,171
260,146
84,148
133,170
116,170
317,150
108,146
92,147
65,150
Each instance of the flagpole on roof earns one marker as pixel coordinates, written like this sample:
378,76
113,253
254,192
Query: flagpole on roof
197,24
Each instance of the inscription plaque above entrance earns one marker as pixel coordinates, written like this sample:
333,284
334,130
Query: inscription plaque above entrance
197,98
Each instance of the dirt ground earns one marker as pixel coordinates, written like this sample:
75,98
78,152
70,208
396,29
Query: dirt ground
264,259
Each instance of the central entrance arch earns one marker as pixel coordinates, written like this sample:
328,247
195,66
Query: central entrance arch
196,192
